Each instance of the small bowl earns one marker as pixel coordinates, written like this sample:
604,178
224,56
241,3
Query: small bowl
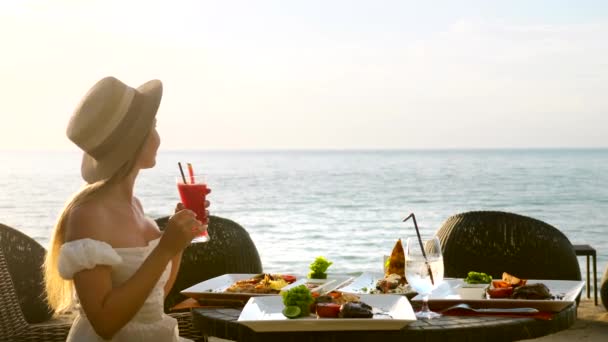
472,291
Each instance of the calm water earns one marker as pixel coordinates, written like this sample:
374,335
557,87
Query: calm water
346,206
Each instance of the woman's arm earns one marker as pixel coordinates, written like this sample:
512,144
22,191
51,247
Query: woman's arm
175,263
110,308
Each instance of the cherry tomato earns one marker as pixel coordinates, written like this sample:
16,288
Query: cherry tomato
330,310
335,294
500,284
288,278
500,292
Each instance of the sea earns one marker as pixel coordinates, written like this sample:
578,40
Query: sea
345,205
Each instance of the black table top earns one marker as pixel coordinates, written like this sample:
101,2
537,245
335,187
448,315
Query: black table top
222,322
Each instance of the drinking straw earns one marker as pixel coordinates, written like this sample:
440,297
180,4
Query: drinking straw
191,173
181,170
426,261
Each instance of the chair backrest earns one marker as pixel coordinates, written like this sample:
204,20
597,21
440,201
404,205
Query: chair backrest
604,288
230,250
12,322
24,258
494,242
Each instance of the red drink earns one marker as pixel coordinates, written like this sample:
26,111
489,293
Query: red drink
193,198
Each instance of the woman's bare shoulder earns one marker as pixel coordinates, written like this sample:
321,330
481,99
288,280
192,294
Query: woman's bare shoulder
88,220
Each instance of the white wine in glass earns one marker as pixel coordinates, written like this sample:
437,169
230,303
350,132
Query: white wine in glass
424,270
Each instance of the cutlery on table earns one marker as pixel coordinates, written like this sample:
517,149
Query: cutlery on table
464,306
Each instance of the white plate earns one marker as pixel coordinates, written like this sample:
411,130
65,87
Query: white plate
264,314
331,283
446,294
363,283
366,282
214,289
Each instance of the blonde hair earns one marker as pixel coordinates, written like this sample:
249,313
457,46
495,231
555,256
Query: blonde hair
60,291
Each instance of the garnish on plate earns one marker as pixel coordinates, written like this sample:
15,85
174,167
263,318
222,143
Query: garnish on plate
478,278
292,311
318,268
300,297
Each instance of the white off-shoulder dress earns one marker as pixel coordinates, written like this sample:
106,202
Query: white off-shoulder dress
150,323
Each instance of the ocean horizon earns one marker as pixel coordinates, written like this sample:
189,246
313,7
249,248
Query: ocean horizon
344,204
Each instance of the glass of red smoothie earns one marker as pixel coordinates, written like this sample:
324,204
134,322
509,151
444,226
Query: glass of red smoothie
192,194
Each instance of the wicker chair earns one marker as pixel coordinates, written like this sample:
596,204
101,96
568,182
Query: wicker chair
13,325
24,257
230,250
496,242
604,288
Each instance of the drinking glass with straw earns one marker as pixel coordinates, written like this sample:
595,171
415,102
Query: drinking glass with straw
192,192
423,267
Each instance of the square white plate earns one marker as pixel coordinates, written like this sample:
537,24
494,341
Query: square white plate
264,314
213,290
363,283
446,294
366,282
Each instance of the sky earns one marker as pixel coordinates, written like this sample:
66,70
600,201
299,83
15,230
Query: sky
316,74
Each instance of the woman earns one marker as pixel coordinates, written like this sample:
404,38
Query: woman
103,246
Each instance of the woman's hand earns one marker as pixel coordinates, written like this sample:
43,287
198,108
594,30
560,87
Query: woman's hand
180,206
181,229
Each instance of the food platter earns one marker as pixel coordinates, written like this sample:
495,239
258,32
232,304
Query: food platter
446,295
213,291
366,284
363,283
264,314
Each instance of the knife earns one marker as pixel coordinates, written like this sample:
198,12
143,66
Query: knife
464,306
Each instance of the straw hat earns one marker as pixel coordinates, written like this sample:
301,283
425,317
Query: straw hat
110,124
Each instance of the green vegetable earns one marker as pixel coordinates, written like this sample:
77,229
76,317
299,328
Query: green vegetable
298,296
292,311
319,267
478,278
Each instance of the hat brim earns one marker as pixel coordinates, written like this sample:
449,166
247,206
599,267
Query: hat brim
94,170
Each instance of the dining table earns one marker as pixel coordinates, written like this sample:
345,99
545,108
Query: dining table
223,322
215,315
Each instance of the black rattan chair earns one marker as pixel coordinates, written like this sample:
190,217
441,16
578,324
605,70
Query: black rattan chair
495,242
230,250
604,288
13,324
24,258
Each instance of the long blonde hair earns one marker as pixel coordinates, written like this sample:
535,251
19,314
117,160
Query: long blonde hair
60,291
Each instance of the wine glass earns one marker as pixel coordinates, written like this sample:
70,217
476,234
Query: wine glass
424,270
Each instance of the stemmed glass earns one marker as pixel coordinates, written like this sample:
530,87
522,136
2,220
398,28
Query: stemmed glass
424,270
